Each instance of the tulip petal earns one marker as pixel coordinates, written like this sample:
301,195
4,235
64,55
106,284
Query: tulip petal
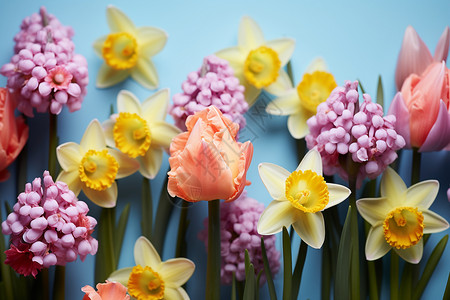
274,178
69,156
439,135
373,209
281,84
106,198
93,137
284,47
393,187
121,275
72,179
297,124
311,161
91,293
250,35
162,134
284,105
376,245
338,193
151,162
400,111
112,290
127,165
118,21
276,215
433,222
441,51
98,46
422,194
145,74
175,294
318,64
108,76
108,129
145,254
151,40
128,102
176,271
412,254
310,227
154,108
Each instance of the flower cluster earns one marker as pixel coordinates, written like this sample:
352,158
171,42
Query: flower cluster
339,128
213,84
44,72
48,226
238,221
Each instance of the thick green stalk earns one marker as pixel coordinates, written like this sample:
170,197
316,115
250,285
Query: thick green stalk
416,160
58,284
147,209
287,263
394,275
5,269
355,278
298,269
182,228
53,140
213,263
163,212
371,270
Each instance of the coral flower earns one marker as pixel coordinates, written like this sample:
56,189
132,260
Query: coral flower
299,199
414,56
153,279
140,130
59,78
109,290
258,63
422,109
400,218
207,162
127,51
301,103
92,167
14,133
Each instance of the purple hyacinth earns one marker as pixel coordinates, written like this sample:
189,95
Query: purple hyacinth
213,84
45,73
48,226
340,128
238,221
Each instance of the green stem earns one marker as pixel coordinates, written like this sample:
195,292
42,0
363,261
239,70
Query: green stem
415,172
373,284
355,279
394,275
182,228
301,148
298,269
52,145
290,73
147,209
213,263
287,263
58,284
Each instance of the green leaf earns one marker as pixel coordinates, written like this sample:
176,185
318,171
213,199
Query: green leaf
287,261
249,290
447,289
290,73
6,275
326,269
380,94
147,209
258,280
372,272
298,270
120,232
233,287
105,262
361,87
342,282
270,285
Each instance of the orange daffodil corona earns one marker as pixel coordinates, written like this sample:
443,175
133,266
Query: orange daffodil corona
140,131
153,279
301,103
400,217
127,51
258,63
92,167
299,198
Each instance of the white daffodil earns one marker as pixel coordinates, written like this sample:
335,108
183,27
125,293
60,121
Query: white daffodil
153,279
301,103
400,217
140,131
127,51
258,63
299,199
92,167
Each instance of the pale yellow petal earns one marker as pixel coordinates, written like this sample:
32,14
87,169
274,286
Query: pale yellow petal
337,193
154,108
163,133
433,222
151,40
176,271
175,294
287,104
310,227
281,85
318,64
235,57
284,47
145,74
93,137
412,254
274,178
311,161
373,210
250,35
106,198
145,254
376,245
297,124
121,275
108,76
98,46
422,194
127,165
108,129
118,21
151,162
128,102
276,215
72,179
393,187
69,156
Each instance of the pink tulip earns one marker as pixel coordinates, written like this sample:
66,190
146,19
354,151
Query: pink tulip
109,290
14,133
422,109
207,162
415,57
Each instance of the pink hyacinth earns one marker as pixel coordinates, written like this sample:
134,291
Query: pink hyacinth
238,221
214,84
49,226
44,72
340,128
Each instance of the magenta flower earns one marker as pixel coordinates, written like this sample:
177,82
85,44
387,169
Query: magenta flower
48,226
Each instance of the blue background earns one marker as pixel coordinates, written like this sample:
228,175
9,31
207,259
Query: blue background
358,40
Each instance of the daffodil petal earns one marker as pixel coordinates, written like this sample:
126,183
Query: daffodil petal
422,194
281,85
69,156
106,198
176,271
163,133
145,74
98,46
318,64
412,254
393,187
151,162
235,57
287,104
250,35
276,215
338,193
127,165
297,125
108,129
274,178
151,40
128,102
121,275
93,137
311,161
284,47
154,108
175,294
433,222
118,21
251,93
108,76
310,227
145,254
72,179
373,209
376,245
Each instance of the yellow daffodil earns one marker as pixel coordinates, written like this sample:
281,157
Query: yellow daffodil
153,279
127,51
299,198
258,63
400,217
301,103
140,131
92,167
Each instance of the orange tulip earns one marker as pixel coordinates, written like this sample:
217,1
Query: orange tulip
108,290
14,133
207,162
